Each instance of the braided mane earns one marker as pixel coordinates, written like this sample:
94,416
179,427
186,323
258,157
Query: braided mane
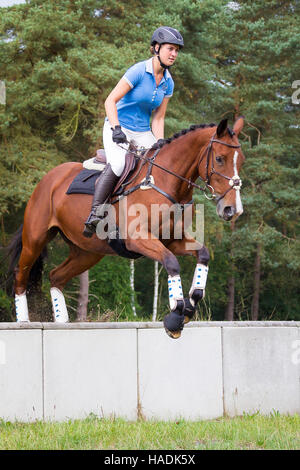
161,142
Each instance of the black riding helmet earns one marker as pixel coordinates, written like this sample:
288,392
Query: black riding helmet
163,35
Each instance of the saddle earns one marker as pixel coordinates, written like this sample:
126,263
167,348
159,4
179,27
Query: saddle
99,161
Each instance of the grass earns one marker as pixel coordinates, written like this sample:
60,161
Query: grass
247,432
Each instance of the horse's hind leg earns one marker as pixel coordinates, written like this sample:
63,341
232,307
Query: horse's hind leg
77,262
32,247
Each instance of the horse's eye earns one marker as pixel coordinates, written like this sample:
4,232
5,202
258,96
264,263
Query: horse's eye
219,159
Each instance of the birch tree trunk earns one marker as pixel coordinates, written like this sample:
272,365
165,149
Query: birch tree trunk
83,297
132,286
256,285
155,295
229,314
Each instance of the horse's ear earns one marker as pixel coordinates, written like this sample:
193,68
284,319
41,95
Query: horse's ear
238,125
222,127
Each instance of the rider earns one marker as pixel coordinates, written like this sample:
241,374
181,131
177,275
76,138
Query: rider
145,87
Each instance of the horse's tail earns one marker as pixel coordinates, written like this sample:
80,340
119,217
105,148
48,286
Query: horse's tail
13,252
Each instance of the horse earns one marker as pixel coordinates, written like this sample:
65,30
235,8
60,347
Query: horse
168,171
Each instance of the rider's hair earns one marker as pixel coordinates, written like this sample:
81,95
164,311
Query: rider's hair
152,49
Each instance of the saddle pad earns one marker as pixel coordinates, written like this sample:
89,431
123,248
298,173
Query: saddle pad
84,182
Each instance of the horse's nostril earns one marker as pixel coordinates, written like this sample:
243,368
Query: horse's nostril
229,212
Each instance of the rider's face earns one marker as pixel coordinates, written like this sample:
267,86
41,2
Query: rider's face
168,53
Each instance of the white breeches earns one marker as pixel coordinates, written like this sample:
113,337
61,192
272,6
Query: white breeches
115,155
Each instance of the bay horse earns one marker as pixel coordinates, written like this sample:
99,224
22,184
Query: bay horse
211,152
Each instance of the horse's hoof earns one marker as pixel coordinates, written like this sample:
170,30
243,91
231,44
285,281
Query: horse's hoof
173,334
173,323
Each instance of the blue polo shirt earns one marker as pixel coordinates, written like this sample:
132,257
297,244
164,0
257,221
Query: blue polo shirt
135,108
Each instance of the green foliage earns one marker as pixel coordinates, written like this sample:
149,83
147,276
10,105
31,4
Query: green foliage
105,298
5,301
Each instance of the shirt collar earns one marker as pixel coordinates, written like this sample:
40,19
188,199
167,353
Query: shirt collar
149,69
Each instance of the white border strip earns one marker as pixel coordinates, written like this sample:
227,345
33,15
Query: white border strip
140,325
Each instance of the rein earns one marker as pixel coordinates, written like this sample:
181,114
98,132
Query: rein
235,182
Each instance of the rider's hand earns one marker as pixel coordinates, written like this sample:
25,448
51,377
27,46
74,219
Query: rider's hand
118,135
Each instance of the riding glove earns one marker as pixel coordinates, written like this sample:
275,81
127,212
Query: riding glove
118,135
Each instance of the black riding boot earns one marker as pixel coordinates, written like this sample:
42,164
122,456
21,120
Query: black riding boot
104,187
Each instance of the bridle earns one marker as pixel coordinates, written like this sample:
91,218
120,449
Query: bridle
235,182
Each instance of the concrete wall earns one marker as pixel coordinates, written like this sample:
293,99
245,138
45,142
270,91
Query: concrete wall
58,372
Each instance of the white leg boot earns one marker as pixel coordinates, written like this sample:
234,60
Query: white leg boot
60,311
175,290
21,308
199,280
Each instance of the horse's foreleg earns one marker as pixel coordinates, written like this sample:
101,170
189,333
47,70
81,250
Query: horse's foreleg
154,249
197,290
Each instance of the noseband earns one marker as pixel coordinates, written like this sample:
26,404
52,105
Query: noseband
234,182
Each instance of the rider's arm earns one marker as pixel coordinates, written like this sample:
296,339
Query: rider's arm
115,95
158,121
